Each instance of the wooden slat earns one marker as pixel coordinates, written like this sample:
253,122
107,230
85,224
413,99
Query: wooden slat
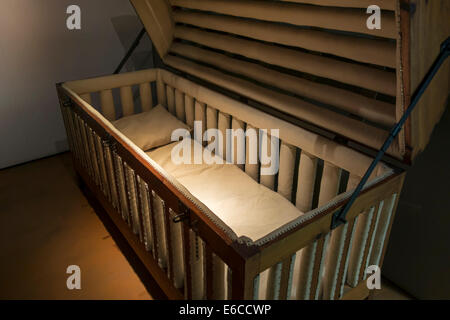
329,186
170,99
102,166
238,144
267,145
350,73
343,19
319,257
306,181
87,153
187,252
211,120
121,185
161,91
370,240
145,92
273,285
383,226
93,155
342,267
169,245
286,274
156,241
146,223
126,97
209,272
200,115
140,209
111,176
179,105
286,171
107,105
362,232
357,104
189,110
251,156
371,51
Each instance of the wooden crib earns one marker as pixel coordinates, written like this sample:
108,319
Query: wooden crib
303,259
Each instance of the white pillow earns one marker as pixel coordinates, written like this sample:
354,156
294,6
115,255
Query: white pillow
150,129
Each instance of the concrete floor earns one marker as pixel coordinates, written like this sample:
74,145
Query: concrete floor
47,224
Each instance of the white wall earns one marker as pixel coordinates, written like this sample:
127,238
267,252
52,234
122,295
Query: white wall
37,51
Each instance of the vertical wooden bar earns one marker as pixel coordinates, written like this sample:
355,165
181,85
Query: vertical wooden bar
161,91
128,199
179,105
286,172
177,245
273,284
209,272
93,155
170,100
145,92
101,158
187,262
121,187
251,152
370,240
211,119
286,277
155,238
383,226
238,143
359,244
110,175
144,198
267,145
167,232
107,105
319,259
126,98
189,110
86,148
306,181
343,262
224,123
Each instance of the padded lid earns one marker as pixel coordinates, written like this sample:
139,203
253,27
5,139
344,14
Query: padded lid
312,60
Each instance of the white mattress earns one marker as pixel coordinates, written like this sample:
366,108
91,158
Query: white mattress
247,207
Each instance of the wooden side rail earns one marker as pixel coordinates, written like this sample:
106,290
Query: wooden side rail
373,211
133,191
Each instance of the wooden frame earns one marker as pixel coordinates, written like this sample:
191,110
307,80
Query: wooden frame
245,262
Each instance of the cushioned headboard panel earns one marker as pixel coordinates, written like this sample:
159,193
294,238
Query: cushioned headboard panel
314,52
315,60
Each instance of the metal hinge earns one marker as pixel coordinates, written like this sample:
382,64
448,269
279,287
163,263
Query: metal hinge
184,215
